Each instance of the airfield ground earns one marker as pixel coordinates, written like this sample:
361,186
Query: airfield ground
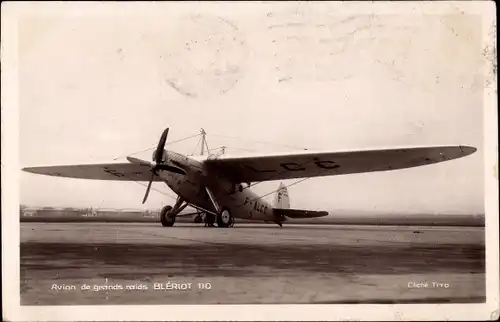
250,264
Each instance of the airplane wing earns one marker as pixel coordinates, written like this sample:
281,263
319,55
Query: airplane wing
310,164
295,213
105,171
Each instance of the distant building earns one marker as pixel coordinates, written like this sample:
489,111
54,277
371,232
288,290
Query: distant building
90,212
149,213
28,212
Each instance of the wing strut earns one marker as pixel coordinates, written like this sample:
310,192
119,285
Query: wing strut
212,199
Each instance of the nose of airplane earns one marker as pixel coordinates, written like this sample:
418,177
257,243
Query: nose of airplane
467,150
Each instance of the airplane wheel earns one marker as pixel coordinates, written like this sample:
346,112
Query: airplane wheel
165,218
224,219
198,219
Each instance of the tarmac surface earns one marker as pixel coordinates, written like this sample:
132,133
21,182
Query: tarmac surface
144,263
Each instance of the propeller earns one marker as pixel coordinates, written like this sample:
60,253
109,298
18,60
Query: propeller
161,146
157,164
149,187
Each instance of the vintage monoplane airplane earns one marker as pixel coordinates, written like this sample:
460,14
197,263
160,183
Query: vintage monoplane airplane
218,186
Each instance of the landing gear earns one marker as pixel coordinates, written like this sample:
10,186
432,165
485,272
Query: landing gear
224,219
166,218
168,214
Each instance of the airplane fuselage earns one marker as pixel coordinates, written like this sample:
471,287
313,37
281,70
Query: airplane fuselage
238,199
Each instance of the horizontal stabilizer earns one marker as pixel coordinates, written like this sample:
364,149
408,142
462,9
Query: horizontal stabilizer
296,213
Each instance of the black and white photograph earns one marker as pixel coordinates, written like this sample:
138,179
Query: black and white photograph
202,156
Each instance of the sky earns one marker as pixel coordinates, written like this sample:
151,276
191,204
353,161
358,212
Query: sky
97,86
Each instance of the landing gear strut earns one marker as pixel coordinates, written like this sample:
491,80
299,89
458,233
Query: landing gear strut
224,217
168,214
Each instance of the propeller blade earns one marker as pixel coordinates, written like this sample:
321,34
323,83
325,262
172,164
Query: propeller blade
148,188
161,146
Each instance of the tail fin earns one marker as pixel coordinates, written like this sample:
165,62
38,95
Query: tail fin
281,199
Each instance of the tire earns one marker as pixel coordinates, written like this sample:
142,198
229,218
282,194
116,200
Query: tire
224,218
165,219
